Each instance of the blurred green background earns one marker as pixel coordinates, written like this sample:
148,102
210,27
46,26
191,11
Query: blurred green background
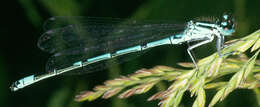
21,26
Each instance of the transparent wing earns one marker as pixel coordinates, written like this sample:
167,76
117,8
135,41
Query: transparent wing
66,58
73,39
68,32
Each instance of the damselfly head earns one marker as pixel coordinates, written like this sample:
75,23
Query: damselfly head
227,24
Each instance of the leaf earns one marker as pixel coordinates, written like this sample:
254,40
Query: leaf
248,41
215,85
88,95
111,92
101,88
196,85
249,65
173,99
186,64
217,97
257,44
214,68
201,99
243,46
141,73
145,87
127,93
158,95
118,81
138,89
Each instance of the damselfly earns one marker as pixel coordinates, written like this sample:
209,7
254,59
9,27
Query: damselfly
85,43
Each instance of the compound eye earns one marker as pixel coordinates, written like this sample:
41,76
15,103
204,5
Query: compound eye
227,21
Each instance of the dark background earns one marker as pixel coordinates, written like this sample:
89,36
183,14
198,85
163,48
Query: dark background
21,25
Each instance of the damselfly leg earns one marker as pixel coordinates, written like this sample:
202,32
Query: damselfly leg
207,40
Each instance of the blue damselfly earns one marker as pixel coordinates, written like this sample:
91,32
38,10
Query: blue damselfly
84,43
